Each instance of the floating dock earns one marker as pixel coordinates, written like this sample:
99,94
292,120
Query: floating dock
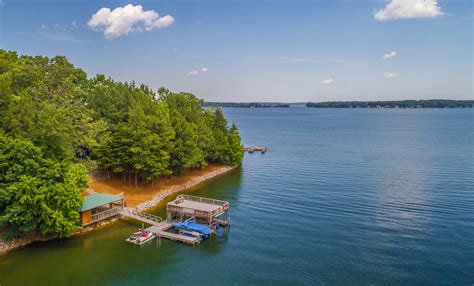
205,211
253,149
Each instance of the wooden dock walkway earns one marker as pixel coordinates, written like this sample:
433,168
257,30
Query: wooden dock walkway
160,231
158,226
141,216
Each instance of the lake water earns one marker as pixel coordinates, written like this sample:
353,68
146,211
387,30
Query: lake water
343,196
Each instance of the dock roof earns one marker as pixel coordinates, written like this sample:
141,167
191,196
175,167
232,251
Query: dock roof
196,205
187,202
97,200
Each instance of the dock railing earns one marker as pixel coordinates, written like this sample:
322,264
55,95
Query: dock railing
106,214
141,216
224,204
174,206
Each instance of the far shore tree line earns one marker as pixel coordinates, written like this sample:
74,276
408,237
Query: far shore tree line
426,103
55,122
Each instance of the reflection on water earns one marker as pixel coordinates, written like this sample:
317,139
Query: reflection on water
380,197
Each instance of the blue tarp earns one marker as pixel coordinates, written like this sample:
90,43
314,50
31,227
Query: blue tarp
192,226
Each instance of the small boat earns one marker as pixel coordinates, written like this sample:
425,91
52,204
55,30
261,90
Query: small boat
140,237
193,229
134,236
145,237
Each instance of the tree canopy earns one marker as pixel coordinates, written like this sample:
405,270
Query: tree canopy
37,193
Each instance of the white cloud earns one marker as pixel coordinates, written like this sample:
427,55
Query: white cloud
328,81
1,3
196,72
389,55
123,20
74,24
389,74
409,9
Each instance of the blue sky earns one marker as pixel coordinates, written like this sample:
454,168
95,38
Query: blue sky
252,50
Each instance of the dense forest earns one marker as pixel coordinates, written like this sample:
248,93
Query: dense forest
246,104
430,103
56,124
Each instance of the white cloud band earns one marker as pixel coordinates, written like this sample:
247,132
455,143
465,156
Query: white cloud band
409,9
328,81
389,55
123,20
389,74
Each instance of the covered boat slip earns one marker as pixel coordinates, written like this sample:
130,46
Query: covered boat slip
204,210
191,226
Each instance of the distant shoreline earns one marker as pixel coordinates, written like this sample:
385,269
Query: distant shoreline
401,104
247,104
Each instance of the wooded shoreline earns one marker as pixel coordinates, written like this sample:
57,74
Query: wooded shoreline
57,123
155,196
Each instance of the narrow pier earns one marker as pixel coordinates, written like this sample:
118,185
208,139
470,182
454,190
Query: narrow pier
208,212
252,149
141,216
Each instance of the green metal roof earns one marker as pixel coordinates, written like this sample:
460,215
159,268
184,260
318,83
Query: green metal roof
97,200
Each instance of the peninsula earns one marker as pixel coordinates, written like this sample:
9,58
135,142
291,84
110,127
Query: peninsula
57,126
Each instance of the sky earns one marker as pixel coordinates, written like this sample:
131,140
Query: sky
255,50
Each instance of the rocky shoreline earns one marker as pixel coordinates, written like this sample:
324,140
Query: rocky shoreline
6,246
182,187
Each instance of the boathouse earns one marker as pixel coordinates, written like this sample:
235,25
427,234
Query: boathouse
189,219
99,206
203,210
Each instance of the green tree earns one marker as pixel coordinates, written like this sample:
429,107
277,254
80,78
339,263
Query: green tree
124,127
185,153
236,150
37,193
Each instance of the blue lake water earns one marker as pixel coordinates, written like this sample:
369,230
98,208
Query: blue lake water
343,196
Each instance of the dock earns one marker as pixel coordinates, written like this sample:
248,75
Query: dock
161,232
252,149
209,212
205,211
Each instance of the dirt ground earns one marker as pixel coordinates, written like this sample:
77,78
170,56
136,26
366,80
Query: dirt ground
136,195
